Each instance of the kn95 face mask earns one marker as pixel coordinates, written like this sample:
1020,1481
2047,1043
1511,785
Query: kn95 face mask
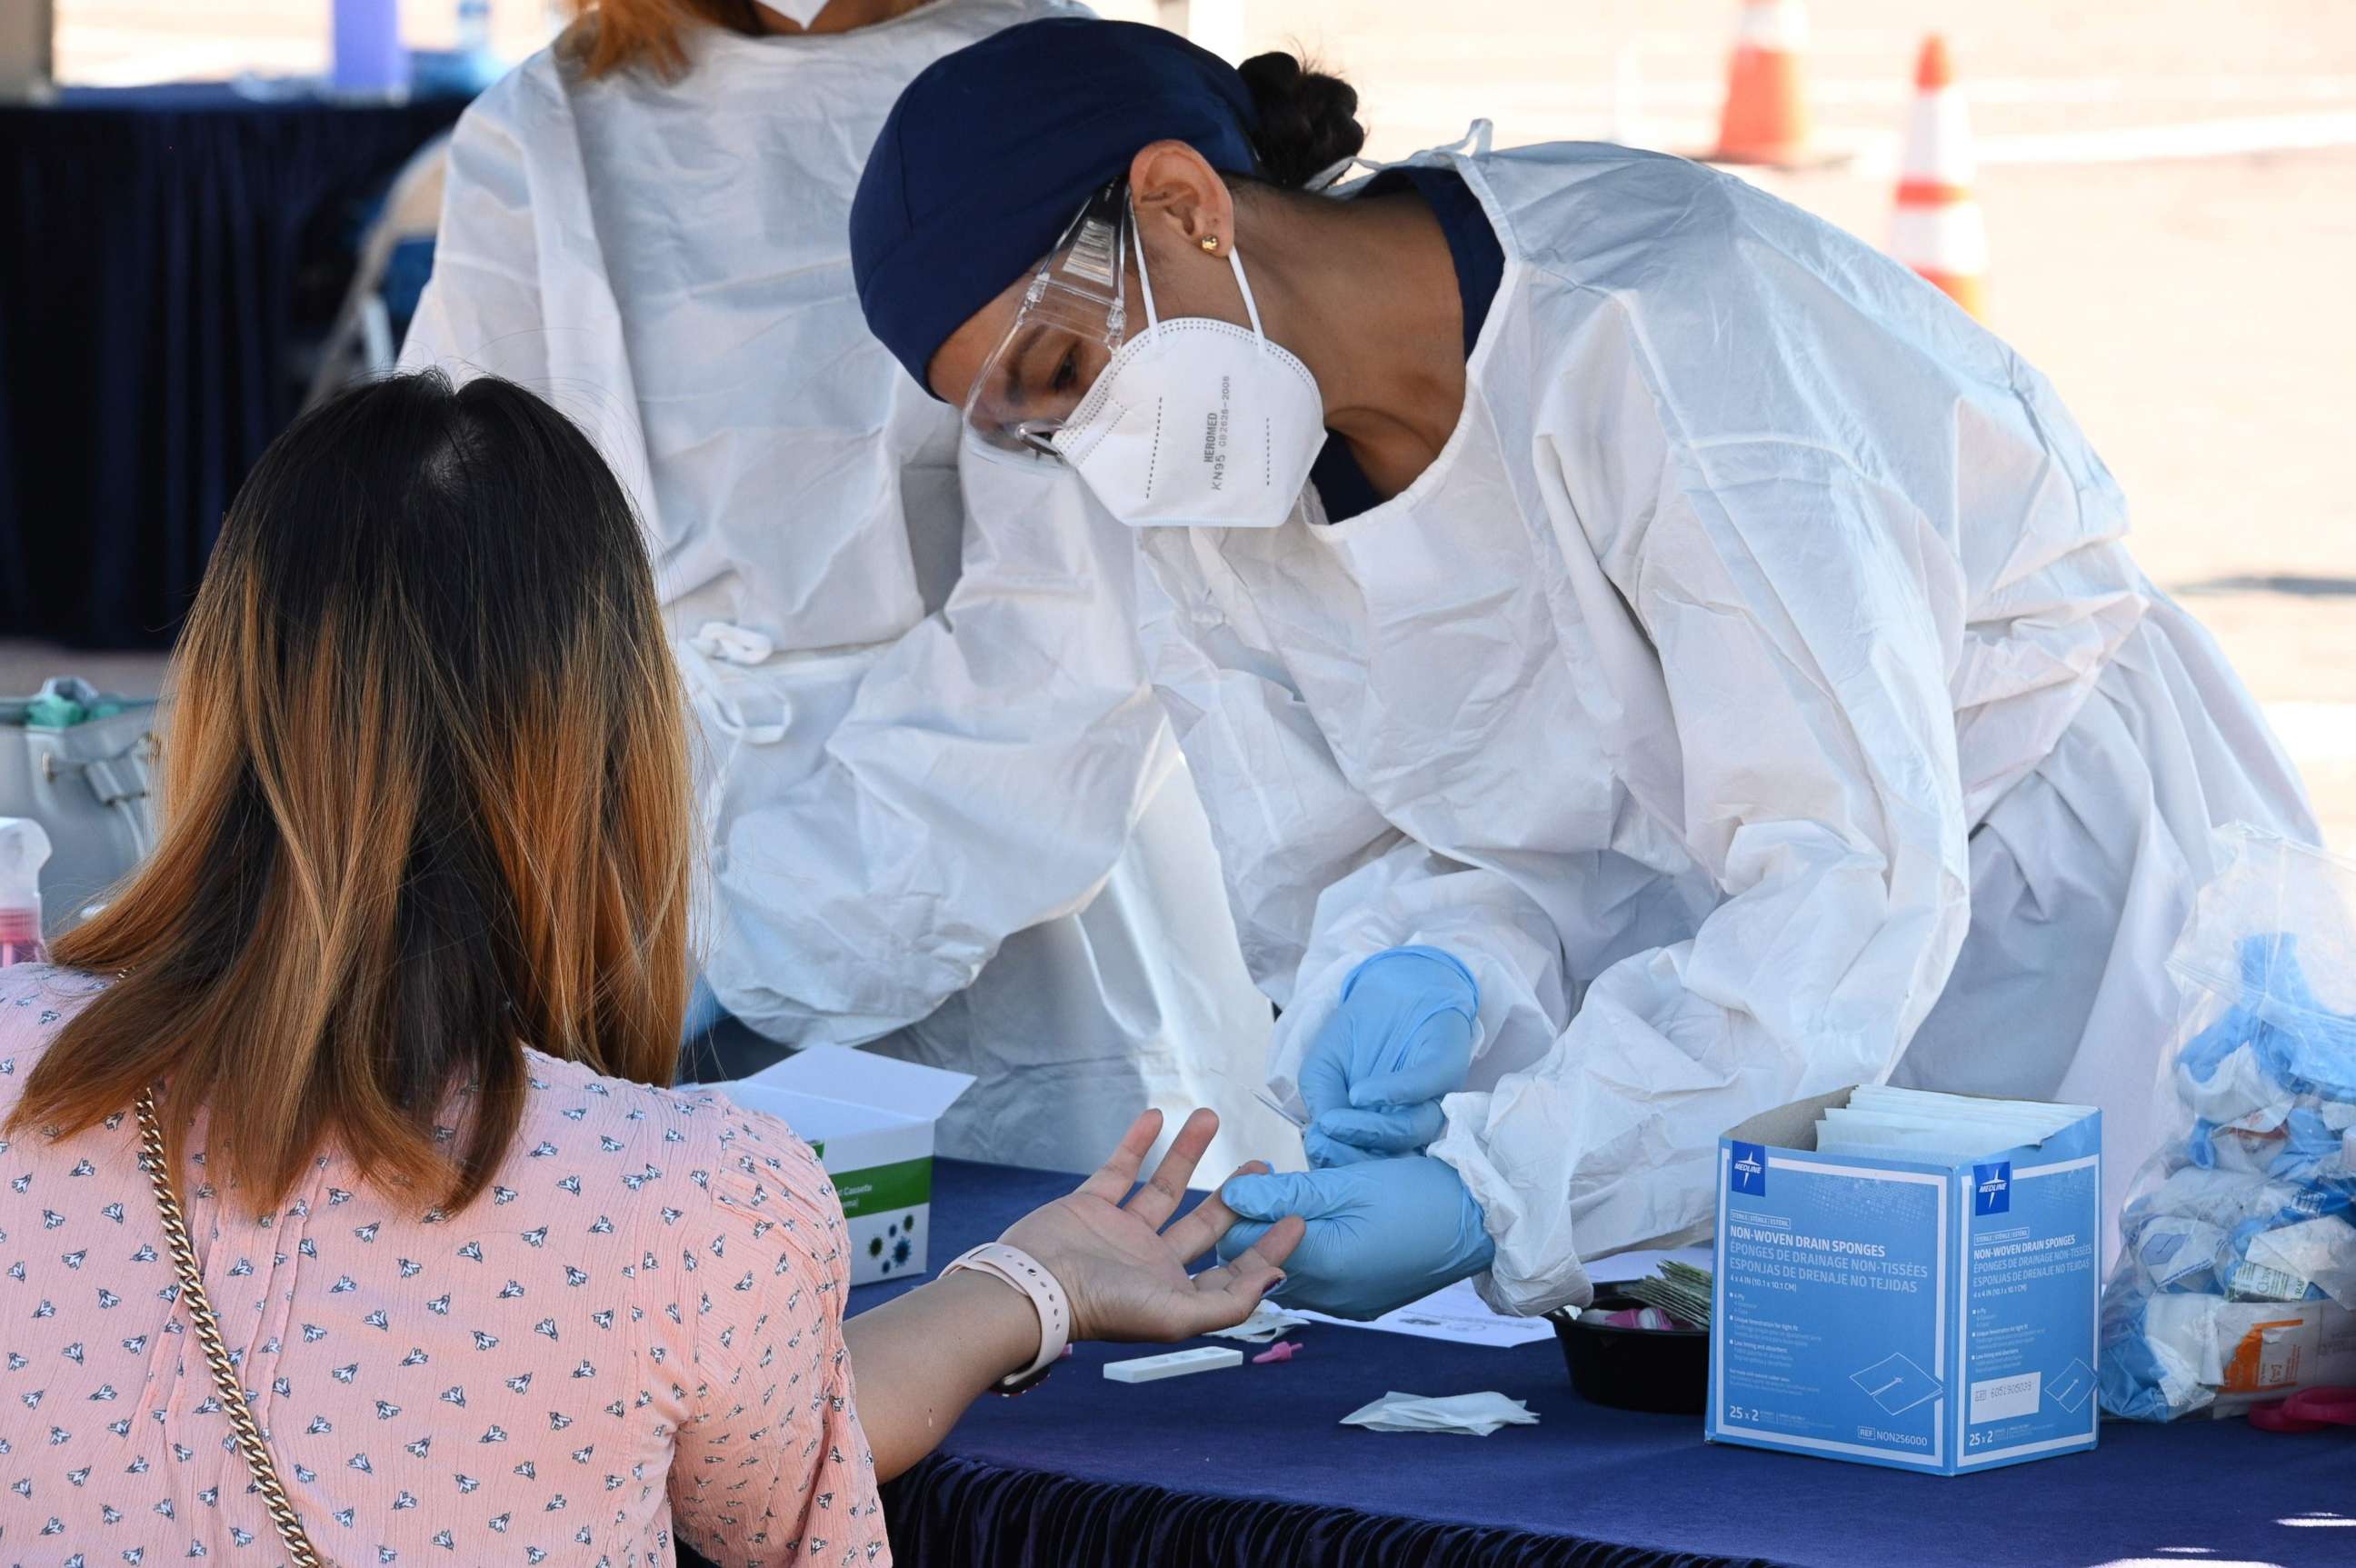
1191,421
1197,423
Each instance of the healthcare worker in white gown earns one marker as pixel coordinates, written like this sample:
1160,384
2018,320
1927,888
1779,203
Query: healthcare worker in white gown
1739,689
945,816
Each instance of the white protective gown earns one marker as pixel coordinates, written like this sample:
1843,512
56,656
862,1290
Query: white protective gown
928,738
1755,693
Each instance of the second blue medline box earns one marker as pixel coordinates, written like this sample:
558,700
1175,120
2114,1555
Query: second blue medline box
1923,1316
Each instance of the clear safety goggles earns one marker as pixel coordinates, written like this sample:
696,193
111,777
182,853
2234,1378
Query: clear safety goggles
1073,318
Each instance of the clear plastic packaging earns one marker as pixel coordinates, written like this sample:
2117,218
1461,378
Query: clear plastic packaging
2236,1277
24,850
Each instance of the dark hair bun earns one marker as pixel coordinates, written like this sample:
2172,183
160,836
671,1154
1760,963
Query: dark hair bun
1308,121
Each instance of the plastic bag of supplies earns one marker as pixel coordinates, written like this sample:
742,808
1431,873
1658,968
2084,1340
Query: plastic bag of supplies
2236,1278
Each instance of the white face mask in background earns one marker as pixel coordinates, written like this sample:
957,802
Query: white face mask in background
800,12
1197,423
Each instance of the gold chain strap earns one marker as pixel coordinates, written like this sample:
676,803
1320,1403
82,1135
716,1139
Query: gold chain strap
200,1311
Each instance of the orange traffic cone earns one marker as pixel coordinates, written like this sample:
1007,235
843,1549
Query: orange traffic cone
1938,229
1765,120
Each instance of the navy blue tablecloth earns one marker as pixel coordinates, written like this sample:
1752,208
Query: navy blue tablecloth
161,250
1249,1468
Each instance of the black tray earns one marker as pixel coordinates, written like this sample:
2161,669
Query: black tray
1661,1369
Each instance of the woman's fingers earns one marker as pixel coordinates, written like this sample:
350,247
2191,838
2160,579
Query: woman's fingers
1118,1175
1225,1297
1272,1249
1166,1189
1239,1238
1204,1224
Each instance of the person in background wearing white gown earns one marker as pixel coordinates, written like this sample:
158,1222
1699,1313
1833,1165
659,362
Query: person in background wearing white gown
945,815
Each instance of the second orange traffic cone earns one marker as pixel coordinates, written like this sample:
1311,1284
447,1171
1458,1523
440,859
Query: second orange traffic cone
1938,229
1765,120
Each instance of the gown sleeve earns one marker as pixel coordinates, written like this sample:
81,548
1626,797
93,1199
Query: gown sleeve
1318,879
984,779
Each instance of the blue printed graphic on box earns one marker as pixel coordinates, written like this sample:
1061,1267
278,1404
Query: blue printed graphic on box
1748,1172
1992,1188
1913,1314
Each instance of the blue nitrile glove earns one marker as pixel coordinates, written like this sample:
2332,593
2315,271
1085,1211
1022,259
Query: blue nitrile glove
1399,1038
1381,1232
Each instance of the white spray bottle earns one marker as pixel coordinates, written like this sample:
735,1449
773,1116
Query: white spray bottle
24,850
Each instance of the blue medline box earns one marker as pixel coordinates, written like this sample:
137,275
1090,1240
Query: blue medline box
1926,1316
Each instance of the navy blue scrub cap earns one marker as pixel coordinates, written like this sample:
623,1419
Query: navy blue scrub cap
990,152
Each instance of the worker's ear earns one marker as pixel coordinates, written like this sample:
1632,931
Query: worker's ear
1180,198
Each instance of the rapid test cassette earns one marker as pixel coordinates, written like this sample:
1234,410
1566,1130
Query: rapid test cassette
1177,1364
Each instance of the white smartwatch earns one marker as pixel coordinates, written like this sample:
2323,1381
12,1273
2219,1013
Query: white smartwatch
1021,1271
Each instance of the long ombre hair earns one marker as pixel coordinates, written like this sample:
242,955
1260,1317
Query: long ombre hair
425,803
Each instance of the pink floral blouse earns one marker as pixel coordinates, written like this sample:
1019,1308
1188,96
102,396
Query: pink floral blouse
635,1336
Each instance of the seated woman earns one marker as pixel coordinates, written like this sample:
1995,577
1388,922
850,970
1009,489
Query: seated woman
430,1250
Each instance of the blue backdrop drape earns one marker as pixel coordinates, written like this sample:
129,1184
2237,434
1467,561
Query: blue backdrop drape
161,251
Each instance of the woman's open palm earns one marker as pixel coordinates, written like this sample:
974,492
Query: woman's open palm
1124,1270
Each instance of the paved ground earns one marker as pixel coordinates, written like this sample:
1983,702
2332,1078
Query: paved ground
2192,304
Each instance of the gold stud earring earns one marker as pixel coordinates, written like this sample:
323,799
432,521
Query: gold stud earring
1211,243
